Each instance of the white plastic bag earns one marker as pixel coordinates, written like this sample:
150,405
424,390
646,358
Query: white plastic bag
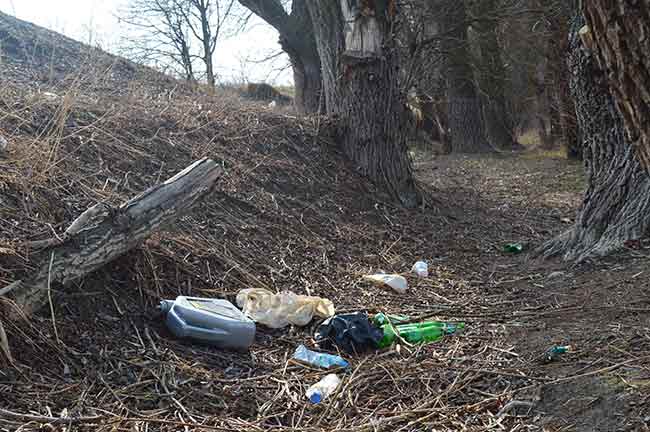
280,310
395,281
421,269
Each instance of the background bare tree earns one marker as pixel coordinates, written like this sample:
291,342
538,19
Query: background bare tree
486,38
159,36
176,34
207,20
297,40
465,116
422,76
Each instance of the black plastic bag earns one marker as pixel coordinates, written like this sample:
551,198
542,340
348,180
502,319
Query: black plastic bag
351,333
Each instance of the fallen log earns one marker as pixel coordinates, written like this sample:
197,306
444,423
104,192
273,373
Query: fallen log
103,233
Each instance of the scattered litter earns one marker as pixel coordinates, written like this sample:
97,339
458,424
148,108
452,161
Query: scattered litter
555,351
514,248
418,333
213,321
322,360
395,281
566,220
323,388
272,104
50,96
351,333
280,310
421,269
3,144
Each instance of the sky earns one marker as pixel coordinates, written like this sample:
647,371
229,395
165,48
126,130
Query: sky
96,21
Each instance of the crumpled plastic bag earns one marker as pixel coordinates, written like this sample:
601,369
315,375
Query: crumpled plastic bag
280,310
395,281
351,333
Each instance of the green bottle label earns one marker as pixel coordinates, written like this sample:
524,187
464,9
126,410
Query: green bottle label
380,319
416,333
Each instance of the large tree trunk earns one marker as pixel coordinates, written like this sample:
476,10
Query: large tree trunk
360,80
499,127
465,118
307,83
298,41
616,205
103,233
621,36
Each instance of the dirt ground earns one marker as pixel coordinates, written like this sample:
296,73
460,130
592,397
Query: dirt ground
600,308
117,360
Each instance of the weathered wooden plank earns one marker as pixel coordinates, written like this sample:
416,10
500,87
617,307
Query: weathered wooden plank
103,233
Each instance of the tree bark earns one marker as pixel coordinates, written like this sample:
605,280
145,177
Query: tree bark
103,233
557,74
425,75
300,45
434,120
616,205
499,127
465,119
543,104
360,80
298,41
568,120
621,39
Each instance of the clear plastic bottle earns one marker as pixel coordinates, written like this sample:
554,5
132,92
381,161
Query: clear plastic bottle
318,359
323,388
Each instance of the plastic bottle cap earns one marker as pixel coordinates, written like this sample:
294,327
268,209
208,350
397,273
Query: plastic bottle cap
315,397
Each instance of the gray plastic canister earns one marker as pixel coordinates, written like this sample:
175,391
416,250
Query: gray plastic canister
215,322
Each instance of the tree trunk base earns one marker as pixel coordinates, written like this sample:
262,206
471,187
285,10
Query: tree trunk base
465,122
616,206
616,210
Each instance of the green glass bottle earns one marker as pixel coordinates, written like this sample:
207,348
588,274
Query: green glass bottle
429,331
514,248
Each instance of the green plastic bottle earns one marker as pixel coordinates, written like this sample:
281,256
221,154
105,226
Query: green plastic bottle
418,333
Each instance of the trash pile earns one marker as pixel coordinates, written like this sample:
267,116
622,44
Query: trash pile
219,323
280,310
